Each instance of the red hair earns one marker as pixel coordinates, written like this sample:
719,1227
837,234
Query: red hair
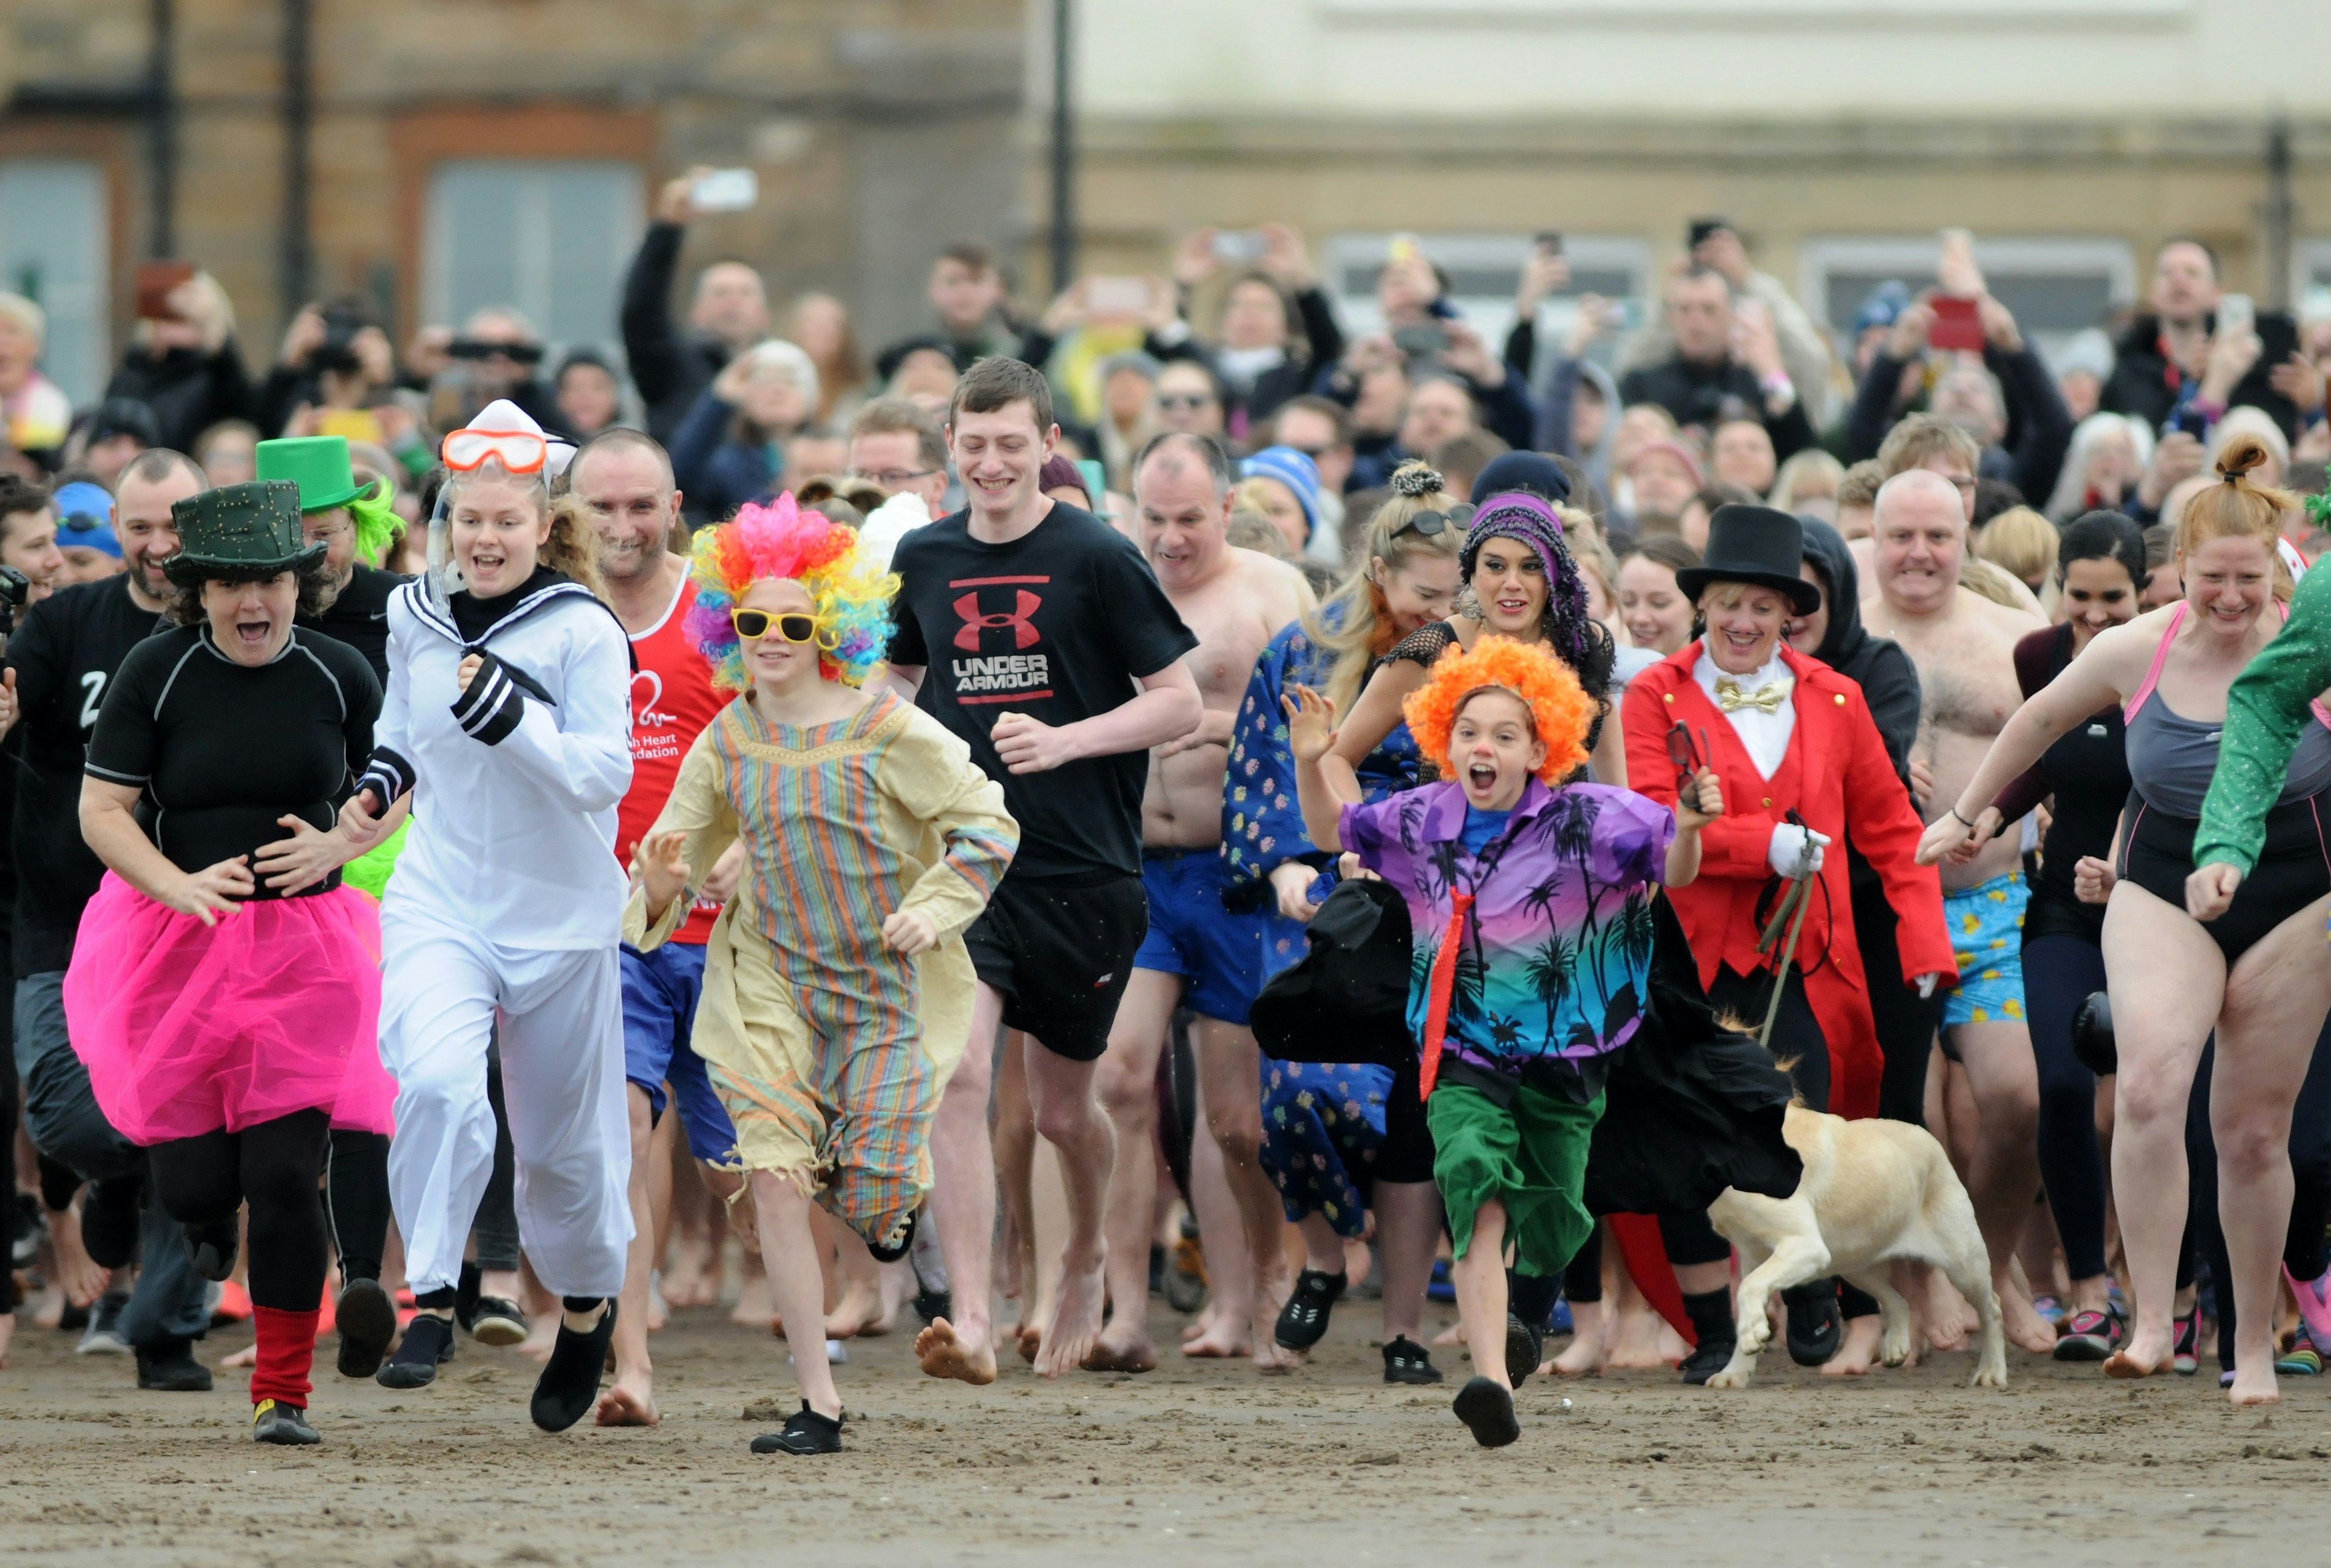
1559,709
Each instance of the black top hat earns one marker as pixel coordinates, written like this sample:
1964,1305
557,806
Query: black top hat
1758,545
240,533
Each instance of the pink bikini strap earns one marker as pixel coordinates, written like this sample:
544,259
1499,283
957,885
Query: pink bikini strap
2160,658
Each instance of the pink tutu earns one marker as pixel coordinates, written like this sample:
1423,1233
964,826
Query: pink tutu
186,1028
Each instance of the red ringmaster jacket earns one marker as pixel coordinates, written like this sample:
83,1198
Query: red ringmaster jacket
1838,778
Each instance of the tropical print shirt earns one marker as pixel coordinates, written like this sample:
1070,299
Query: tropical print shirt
1262,823
1557,946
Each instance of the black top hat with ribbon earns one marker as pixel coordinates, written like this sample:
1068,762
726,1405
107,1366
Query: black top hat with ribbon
1758,544
240,533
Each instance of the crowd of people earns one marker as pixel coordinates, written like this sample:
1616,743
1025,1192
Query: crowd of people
1338,792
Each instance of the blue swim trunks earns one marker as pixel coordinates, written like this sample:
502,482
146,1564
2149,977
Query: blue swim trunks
1226,957
1987,927
660,991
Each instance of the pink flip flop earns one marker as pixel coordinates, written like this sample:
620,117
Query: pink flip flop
2313,1303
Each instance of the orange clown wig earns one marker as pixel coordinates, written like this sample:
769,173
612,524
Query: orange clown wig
1559,709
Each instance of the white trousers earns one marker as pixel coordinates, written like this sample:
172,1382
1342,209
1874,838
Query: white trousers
562,1055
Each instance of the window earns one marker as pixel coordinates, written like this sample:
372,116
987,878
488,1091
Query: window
2056,288
1483,270
549,236
54,246
2311,269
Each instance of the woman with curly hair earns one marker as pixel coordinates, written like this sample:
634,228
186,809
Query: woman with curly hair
1530,901
837,991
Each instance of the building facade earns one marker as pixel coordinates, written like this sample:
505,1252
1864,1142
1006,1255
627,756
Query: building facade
460,153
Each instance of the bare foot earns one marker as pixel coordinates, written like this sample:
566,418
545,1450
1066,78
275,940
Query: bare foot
247,1356
48,1307
1583,1356
1452,1335
860,1305
82,1279
1857,1353
1028,1339
2148,1351
2025,1328
1198,1328
1940,1311
691,1281
629,1401
658,1311
1077,1306
756,1309
1125,1345
1227,1339
945,1354
1638,1338
2254,1387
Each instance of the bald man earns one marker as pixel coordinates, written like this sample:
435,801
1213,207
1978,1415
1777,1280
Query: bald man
1964,646
1235,601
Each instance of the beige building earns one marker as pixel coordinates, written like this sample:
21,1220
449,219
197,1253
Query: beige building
469,152
1837,135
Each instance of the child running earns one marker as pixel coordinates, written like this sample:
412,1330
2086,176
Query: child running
1530,903
837,991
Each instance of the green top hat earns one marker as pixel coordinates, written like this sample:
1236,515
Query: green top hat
239,532
317,464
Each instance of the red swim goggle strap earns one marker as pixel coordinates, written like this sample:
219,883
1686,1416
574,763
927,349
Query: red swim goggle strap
522,452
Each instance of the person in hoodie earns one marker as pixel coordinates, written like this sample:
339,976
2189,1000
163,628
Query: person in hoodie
1832,633
185,366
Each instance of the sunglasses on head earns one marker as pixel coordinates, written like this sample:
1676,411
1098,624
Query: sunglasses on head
795,626
1431,524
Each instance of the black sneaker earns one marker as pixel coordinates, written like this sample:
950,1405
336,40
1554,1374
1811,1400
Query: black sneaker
1709,1358
365,1320
2090,1336
1525,1348
428,1344
498,1321
1405,1361
1488,1413
569,1385
805,1432
1304,1319
1816,1327
170,1367
273,1421
104,1335
109,1218
212,1248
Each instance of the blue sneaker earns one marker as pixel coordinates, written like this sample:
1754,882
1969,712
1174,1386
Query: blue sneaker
1441,1288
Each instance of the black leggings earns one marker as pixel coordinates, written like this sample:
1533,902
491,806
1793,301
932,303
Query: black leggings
1905,1021
273,1167
2060,972
357,1202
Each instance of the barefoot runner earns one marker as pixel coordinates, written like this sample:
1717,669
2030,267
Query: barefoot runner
1235,601
623,480
1035,632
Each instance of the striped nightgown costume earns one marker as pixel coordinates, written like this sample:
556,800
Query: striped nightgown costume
829,1049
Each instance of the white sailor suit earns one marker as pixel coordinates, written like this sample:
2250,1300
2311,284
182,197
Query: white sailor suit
508,900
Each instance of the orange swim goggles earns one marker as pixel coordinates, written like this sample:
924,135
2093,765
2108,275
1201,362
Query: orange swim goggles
795,626
522,452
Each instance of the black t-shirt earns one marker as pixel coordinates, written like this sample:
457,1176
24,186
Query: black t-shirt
1058,624
222,750
64,656
359,617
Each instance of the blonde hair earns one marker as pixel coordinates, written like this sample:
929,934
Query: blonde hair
573,547
2022,541
1591,552
1920,438
29,317
1990,581
1812,475
1356,623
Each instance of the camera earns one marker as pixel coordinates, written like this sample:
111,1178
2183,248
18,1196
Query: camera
16,589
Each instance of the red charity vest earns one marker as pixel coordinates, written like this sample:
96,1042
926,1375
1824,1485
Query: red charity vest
672,700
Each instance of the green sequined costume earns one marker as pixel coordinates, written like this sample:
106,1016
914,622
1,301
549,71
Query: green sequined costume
2265,713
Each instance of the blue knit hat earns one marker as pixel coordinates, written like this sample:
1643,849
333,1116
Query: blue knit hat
1293,468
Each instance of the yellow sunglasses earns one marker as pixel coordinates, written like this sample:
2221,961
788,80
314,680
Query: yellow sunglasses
752,625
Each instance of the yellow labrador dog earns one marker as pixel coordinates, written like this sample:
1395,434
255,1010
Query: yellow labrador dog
1873,1192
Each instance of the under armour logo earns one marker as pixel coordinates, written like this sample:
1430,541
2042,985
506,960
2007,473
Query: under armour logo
975,620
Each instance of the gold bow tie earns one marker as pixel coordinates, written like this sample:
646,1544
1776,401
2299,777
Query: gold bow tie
1766,698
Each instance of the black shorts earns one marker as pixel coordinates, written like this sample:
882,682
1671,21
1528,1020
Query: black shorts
1060,952
1407,1151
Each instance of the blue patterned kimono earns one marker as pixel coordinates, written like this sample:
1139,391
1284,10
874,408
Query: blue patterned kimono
1322,1123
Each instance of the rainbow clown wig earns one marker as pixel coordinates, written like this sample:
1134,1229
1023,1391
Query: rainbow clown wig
851,594
1560,710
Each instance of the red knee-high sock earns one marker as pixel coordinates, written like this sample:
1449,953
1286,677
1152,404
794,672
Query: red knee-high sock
287,1347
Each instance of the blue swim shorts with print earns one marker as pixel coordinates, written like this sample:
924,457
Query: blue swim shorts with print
1225,956
660,991
1987,927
